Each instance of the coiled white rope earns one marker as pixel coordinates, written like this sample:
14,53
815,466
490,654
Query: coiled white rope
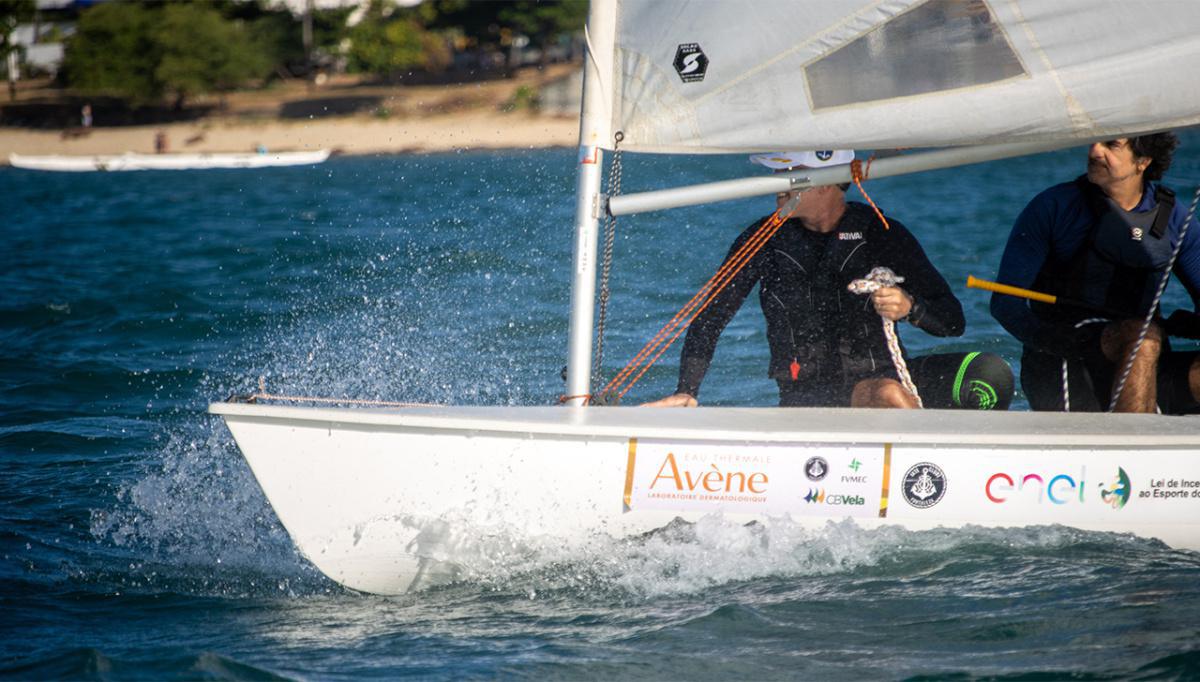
875,280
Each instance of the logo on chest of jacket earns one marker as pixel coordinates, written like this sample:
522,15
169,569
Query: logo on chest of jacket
850,236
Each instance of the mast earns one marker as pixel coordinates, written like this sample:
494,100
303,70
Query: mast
594,123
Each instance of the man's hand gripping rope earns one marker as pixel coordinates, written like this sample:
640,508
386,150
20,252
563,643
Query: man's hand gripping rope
880,278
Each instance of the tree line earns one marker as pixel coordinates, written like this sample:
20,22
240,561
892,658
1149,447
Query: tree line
155,51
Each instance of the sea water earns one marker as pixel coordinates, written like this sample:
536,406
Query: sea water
135,543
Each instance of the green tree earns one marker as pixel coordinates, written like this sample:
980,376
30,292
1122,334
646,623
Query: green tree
113,51
543,22
384,43
145,52
203,52
279,33
487,23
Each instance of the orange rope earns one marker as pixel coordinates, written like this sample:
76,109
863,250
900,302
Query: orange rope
718,280
770,232
857,172
701,298
692,309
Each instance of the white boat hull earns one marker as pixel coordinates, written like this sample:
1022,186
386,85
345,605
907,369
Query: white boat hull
376,499
131,161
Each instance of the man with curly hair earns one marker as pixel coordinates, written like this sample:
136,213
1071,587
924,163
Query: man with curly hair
1103,241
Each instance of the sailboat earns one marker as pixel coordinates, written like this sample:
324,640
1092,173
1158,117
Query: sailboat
375,497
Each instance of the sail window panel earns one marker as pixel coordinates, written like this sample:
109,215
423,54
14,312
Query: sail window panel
940,45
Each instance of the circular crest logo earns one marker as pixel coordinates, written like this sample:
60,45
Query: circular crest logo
816,468
924,485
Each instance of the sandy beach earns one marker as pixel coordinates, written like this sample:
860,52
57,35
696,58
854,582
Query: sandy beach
411,119
348,135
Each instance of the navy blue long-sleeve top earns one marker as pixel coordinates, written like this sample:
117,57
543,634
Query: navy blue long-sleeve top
1054,226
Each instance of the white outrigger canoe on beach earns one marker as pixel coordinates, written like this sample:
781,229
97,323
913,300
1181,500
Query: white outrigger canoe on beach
376,498
131,161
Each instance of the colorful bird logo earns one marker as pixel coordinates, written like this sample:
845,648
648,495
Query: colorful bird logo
1117,493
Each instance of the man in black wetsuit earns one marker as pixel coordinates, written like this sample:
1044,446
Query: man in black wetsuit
827,344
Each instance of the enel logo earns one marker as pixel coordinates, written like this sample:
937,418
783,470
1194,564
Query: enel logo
1059,489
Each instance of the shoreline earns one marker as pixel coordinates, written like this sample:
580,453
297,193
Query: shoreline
351,135
410,119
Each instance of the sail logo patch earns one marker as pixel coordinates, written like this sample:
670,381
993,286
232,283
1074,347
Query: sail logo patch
690,62
924,485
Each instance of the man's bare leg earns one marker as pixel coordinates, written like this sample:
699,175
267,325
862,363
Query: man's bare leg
881,393
1194,378
1140,393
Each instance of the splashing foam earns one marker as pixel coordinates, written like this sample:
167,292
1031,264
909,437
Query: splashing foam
411,323
686,558
200,523
353,331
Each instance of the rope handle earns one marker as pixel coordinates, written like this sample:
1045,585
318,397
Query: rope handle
878,278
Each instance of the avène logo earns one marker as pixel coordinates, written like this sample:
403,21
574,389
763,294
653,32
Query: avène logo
711,480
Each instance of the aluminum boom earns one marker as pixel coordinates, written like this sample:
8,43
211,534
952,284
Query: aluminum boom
725,190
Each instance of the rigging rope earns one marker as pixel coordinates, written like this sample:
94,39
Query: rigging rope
875,280
1162,285
653,350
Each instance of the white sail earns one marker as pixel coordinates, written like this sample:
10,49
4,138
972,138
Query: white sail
695,76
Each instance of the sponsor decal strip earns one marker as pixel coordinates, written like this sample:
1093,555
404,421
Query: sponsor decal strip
887,474
629,466
808,479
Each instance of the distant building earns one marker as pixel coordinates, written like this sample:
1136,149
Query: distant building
41,46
